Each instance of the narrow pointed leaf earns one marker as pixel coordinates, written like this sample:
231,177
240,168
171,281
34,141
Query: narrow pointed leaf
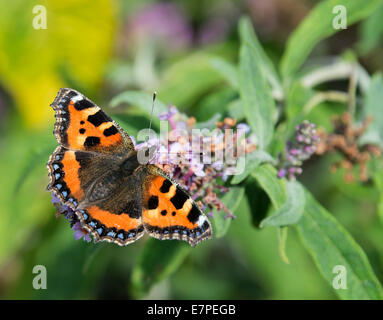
317,26
254,90
292,210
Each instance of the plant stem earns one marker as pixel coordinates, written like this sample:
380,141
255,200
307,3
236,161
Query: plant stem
337,96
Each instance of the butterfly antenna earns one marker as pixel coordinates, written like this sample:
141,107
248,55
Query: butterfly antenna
151,114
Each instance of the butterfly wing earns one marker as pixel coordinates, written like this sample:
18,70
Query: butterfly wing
82,125
64,179
168,211
107,202
105,225
85,171
88,140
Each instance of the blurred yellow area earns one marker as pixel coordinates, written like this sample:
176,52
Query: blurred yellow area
36,61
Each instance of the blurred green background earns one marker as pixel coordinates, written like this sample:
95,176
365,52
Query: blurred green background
102,48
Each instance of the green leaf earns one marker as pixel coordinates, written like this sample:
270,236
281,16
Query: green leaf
188,79
216,102
379,180
327,241
299,107
264,61
371,32
252,160
231,201
266,176
373,108
330,245
158,260
288,198
376,167
254,89
33,160
292,210
139,99
227,70
317,26
124,120
299,280
296,99
236,110
144,102
257,199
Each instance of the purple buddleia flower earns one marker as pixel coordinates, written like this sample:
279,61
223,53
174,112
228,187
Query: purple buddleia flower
72,218
282,173
169,114
62,209
54,199
164,23
298,150
201,174
79,232
197,168
244,127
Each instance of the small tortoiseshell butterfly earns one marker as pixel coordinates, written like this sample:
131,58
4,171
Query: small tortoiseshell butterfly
95,171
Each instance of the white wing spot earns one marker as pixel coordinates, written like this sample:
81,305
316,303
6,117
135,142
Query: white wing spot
77,98
201,220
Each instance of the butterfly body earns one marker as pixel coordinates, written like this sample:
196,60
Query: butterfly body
96,172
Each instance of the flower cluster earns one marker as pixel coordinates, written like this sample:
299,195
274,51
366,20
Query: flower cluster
301,148
345,140
202,175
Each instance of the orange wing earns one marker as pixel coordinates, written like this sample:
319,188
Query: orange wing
107,226
64,180
82,125
170,213
88,140
116,219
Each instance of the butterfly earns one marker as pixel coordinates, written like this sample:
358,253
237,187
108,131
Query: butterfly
95,171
